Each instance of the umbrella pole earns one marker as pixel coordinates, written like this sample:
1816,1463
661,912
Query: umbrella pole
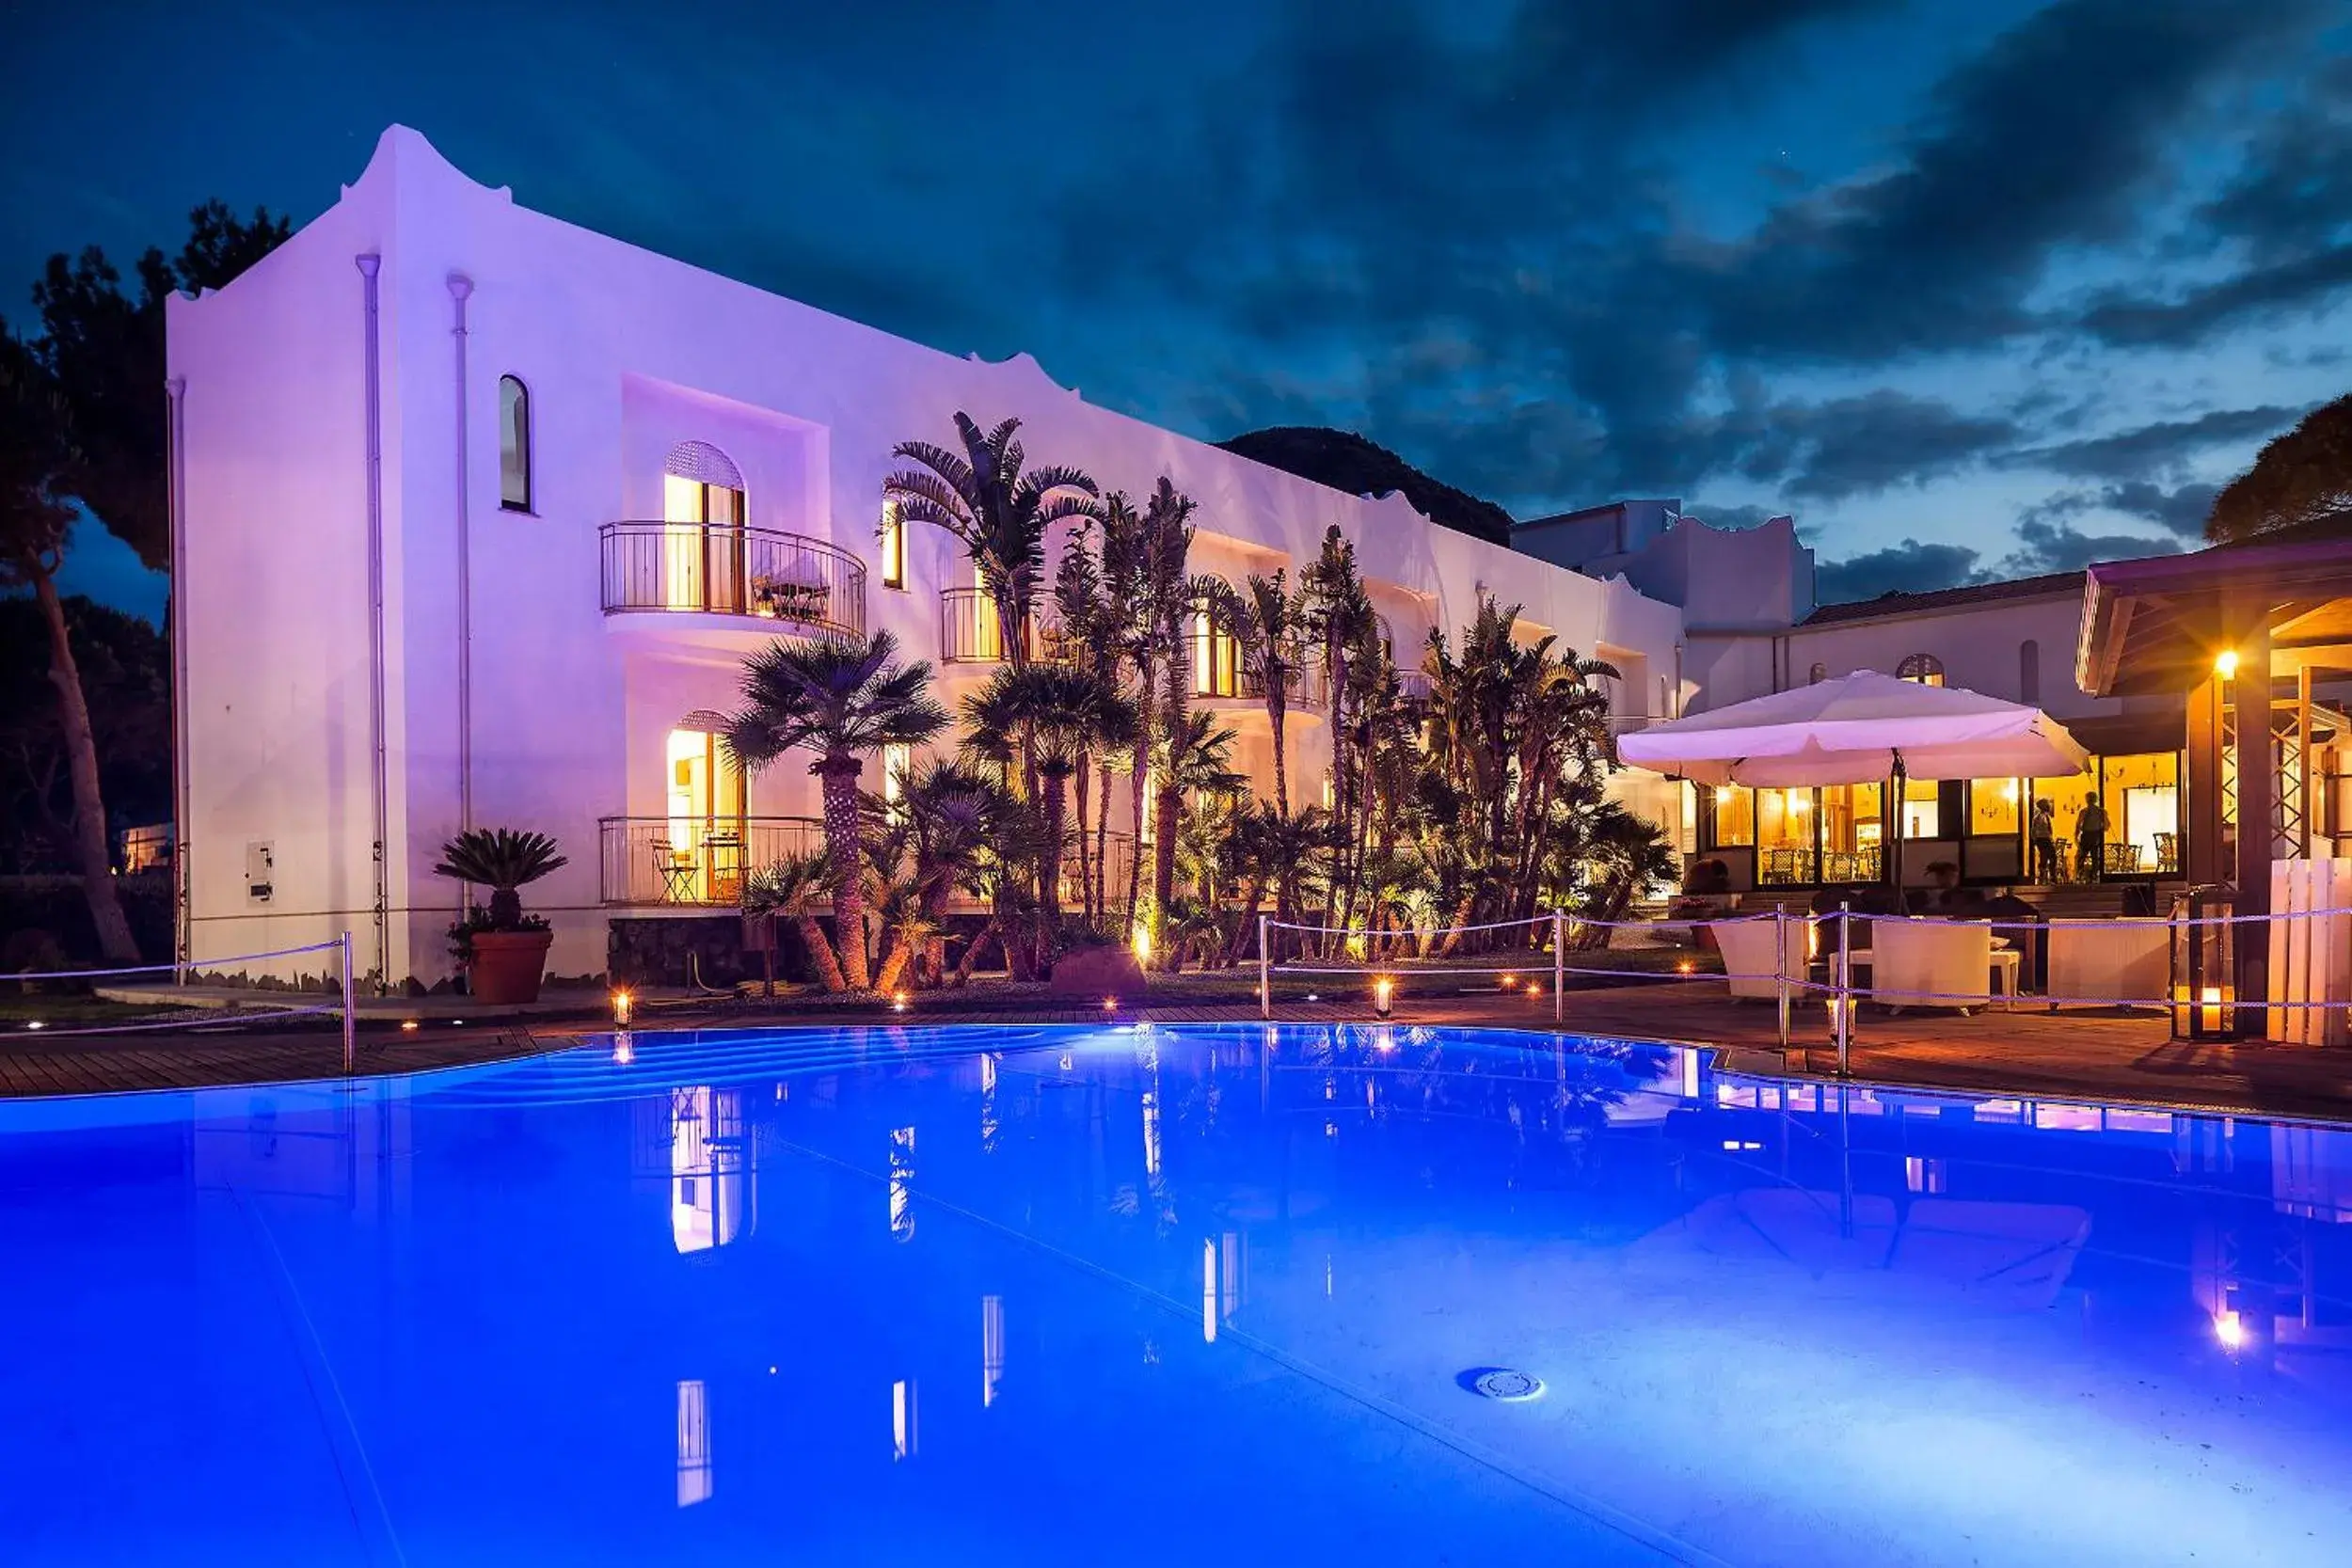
1894,835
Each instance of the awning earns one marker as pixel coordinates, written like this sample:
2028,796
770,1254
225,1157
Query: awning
1856,729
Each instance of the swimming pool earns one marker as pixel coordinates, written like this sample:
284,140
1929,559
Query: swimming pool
1159,1294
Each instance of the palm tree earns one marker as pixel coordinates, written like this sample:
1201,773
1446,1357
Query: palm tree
1168,595
998,513
1268,620
844,699
796,886
1341,621
1060,709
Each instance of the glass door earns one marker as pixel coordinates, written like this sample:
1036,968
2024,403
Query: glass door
701,861
702,544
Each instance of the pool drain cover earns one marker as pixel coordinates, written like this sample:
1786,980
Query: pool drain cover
1501,1382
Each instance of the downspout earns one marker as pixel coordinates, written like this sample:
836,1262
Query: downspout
460,288
378,773
175,496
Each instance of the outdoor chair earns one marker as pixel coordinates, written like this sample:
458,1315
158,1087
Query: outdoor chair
2107,961
1937,963
1748,964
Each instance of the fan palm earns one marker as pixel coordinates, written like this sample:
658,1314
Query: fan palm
796,886
844,699
502,861
1268,621
998,513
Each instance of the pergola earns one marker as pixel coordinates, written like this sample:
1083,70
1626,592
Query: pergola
2240,630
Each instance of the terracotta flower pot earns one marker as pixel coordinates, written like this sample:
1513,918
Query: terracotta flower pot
506,965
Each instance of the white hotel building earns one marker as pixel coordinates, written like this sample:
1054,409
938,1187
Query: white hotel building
477,515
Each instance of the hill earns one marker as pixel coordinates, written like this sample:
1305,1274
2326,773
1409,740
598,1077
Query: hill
1346,461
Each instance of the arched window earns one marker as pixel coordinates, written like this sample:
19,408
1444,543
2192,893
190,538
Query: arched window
514,445
1926,669
2029,671
702,513
1821,673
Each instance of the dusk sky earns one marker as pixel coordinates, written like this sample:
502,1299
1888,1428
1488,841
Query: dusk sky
1971,287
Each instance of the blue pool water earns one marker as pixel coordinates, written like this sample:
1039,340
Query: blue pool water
1164,1295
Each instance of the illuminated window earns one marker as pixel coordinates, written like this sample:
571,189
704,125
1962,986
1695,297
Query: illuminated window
1215,655
1926,669
892,536
1923,814
898,764
1735,817
514,445
1994,806
701,508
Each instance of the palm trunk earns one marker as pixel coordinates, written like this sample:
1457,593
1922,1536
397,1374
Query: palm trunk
971,956
89,806
838,774
1275,713
819,951
1056,807
1079,778
1170,804
1103,847
1254,899
1135,861
894,964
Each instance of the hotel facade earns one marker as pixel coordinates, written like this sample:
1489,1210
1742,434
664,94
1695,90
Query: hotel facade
478,514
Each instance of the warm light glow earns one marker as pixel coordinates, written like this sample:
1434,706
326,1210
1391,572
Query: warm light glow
408,1026
2225,664
2211,993
898,1001
1534,988
1509,982
1141,943
1799,804
1723,795
1383,995
2008,790
2230,1329
624,1050
624,1006
37,1023
1685,967
1110,1004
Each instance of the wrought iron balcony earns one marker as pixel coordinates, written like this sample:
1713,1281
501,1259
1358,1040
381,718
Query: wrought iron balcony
969,632
716,569
694,861
1306,687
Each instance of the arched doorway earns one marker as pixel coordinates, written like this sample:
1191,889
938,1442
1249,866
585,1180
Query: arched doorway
702,511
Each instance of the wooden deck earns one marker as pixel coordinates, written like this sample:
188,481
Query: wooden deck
2029,1052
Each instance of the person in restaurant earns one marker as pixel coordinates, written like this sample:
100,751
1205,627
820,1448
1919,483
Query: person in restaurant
2045,853
2090,839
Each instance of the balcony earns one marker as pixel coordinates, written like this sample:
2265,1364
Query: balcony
710,569
1306,687
969,634
693,862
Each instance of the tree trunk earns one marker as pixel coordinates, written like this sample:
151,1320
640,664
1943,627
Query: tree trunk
819,951
1055,808
893,965
838,776
1079,779
1135,861
1275,713
972,950
89,806
1103,847
1253,900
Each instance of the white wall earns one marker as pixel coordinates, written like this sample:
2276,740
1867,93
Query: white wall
625,352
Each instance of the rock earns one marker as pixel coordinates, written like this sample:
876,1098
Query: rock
1097,973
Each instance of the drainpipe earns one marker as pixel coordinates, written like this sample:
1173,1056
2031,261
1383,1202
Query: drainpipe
175,496
460,289
377,776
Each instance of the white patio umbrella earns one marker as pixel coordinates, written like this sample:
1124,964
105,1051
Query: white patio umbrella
1861,728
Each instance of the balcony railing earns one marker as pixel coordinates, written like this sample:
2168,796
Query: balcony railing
1305,686
716,569
694,861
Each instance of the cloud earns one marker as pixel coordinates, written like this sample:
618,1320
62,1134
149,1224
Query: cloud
2047,544
2148,448
1733,518
2265,295
1910,567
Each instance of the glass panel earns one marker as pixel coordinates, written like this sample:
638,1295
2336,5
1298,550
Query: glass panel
514,445
681,541
1922,816
2141,795
1993,805
893,543
1735,817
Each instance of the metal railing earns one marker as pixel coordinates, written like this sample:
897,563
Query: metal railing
717,569
969,632
1306,686
693,861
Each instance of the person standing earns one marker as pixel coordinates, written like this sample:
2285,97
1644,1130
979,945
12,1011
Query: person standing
2090,839
2045,855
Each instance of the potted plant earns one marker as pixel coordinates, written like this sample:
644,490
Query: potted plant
503,949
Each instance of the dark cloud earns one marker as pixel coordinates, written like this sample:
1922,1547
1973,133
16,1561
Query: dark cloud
2262,295
2046,544
2181,511
1910,567
2158,448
